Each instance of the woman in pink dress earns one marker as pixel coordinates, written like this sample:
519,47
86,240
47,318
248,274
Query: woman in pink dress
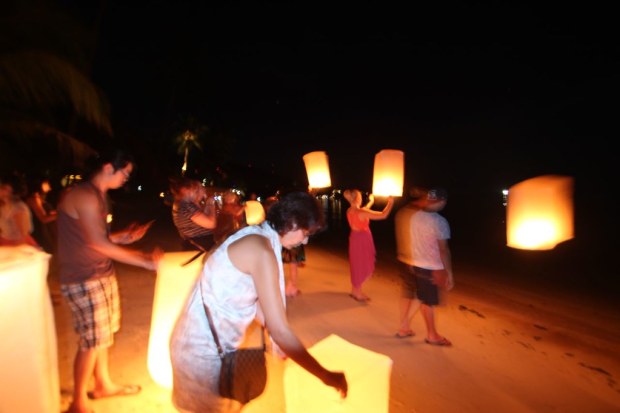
361,244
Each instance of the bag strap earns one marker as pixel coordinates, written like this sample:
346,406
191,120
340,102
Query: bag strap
220,351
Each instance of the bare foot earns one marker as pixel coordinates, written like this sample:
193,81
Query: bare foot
79,408
127,390
292,292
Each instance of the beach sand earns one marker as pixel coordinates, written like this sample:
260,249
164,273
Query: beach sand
514,349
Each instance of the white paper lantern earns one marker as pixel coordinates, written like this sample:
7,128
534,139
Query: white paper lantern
367,372
29,380
540,212
317,168
388,173
172,287
254,212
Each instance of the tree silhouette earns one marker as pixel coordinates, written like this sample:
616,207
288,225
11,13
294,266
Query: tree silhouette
44,91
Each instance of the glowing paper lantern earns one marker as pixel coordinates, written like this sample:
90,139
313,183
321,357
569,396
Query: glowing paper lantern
317,168
254,212
173,285
540,212
368,374
29,380
389,173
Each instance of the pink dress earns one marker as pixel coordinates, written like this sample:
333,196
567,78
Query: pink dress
361,249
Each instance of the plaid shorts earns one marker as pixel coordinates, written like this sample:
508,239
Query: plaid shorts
96,311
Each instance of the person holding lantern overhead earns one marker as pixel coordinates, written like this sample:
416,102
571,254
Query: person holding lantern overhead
242,281
362,253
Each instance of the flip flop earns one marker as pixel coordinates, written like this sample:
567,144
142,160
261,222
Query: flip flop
442,342
360,299
408,333
127,390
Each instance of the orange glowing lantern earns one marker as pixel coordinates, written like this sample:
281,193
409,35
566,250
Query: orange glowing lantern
368,374
389,173
29,380
317,168
254,212
173,285
540,212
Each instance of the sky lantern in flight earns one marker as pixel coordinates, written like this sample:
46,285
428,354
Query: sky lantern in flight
540,212
317,168
368,374
172,287
389,173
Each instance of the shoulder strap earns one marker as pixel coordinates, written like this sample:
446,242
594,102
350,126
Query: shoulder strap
212,326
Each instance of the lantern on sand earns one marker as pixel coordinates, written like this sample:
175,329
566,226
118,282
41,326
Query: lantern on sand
540,212
368,374
254,212
317,168
173,285
388,174
28,350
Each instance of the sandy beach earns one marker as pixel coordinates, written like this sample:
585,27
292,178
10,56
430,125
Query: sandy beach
515,349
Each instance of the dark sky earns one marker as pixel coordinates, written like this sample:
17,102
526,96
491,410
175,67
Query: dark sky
478,97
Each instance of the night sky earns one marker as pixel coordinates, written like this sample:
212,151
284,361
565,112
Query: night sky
471,93
479,97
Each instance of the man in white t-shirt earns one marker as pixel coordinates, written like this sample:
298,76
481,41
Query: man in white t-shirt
422,236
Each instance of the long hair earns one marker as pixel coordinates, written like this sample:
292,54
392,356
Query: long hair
296,210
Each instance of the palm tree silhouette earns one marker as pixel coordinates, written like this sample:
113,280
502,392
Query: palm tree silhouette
44,87
185,142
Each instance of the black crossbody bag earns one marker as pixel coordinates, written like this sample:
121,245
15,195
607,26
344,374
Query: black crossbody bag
243,375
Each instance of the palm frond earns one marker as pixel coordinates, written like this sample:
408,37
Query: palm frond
40,81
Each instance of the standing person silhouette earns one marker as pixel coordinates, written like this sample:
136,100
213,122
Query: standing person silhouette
15,216
44,214
193,213
86,250
292,258
422,236
362,253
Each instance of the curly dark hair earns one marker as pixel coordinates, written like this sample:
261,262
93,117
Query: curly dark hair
296,210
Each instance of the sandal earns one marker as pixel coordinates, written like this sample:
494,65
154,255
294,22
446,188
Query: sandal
127,390
404,333
360,299
441,342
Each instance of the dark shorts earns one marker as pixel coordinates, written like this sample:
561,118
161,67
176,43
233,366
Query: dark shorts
95,307
418,283
409,288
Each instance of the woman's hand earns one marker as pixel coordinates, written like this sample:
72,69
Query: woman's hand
337,380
